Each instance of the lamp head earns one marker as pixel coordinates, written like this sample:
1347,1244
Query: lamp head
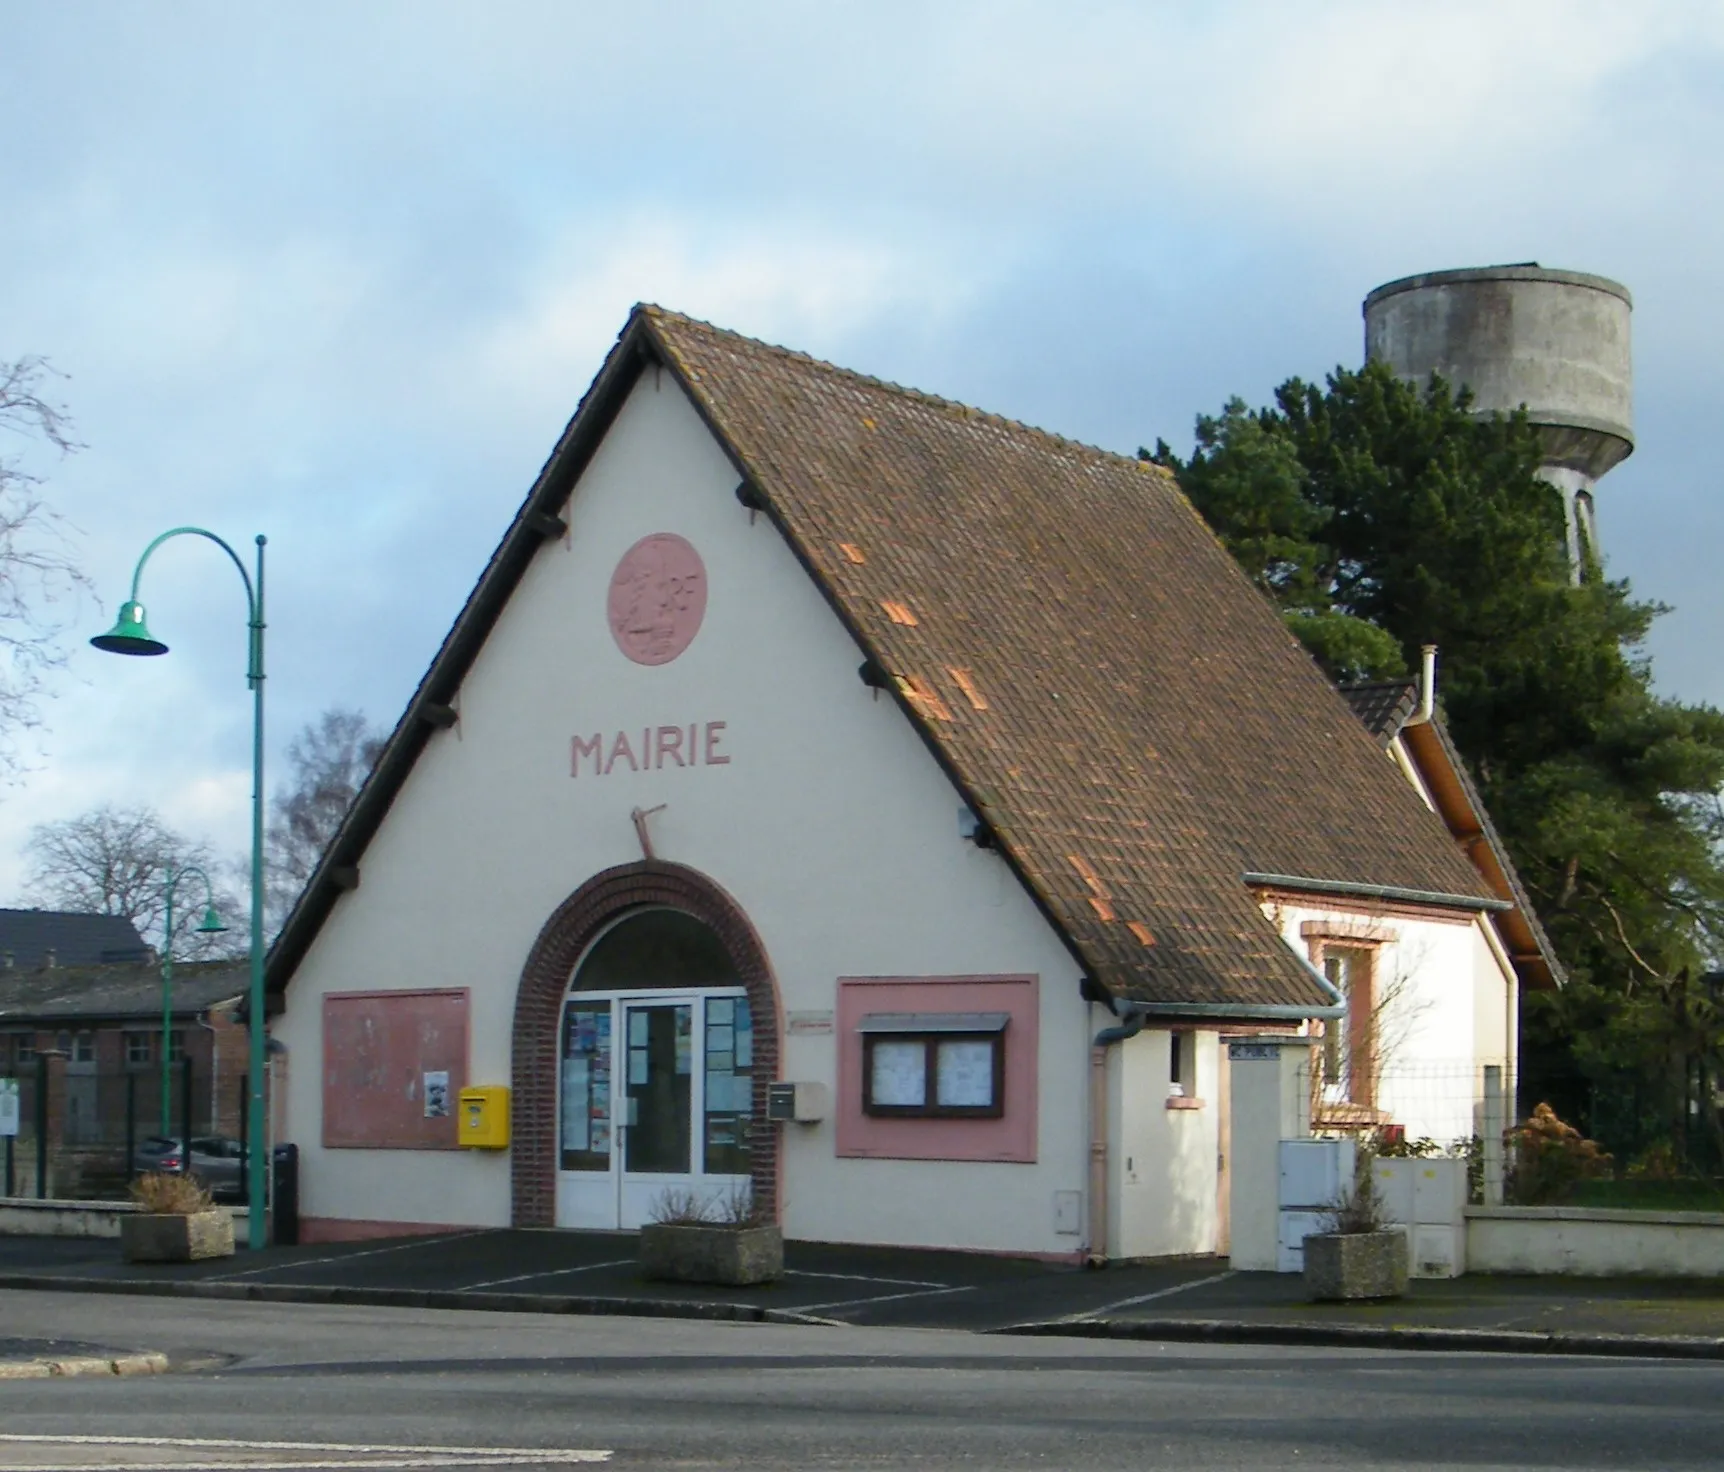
129,634
211,924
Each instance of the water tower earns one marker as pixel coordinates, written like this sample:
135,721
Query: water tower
1555,341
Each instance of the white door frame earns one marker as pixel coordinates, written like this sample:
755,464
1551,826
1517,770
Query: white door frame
615,1198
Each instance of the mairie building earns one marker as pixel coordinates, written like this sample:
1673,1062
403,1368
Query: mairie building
841,799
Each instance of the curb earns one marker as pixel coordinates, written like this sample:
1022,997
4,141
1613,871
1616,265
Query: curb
124,1364
1178,1331
433,1298
1371,1336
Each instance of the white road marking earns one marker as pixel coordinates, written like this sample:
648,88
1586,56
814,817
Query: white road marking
314,1455
621,1262
865,1278
312,1262
808,1308
1108,1308
313,1464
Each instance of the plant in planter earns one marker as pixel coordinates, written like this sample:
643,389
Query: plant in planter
175,1221
692,1241
1358,1254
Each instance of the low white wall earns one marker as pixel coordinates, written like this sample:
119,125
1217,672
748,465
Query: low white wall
28,1217
1591,1243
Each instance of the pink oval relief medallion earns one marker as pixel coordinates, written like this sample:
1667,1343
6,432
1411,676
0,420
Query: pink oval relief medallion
657,598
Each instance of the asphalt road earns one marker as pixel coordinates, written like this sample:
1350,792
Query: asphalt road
357,1387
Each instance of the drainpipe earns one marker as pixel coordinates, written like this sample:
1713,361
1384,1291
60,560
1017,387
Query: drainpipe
1097,1213
1427,687
1122,1032
1096,1216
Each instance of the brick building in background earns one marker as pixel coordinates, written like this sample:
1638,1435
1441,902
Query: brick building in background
91,1035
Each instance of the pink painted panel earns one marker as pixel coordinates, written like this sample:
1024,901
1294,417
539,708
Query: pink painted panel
1012,1137
377,1049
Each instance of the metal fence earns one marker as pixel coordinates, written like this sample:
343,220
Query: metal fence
1547,1139
1431,1104
1659,1123
84,1131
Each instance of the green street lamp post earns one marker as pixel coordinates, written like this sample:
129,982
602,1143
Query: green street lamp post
211,924
130,635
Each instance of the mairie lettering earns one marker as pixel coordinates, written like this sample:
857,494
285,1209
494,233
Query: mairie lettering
648,749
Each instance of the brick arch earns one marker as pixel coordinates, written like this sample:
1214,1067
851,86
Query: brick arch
538,1014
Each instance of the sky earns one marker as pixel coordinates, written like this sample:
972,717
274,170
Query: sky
339,273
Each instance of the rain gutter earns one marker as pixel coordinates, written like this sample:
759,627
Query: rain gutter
1137,1014
1390,892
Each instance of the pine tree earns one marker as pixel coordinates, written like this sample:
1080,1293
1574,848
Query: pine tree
1380,517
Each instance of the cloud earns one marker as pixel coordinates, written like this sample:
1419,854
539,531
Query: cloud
795,285
341,273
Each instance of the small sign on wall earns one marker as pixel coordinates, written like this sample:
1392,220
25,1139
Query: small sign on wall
803,1024
436,1087
1253,1052
9,1109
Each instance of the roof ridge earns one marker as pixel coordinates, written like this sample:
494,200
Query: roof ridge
903,391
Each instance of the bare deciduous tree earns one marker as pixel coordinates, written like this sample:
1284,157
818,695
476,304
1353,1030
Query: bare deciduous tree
329,758
37,570
116,861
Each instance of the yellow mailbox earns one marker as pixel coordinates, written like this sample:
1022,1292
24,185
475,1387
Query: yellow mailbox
484,1118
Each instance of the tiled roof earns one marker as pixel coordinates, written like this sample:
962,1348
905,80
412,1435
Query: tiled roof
76,939
124,993
1382,706
1129,715
1126,712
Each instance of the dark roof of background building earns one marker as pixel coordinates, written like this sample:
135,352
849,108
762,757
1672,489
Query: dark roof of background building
1123,709
116,993
1383,707
75,939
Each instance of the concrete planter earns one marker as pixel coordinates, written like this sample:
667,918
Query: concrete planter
153,1237
1356,1265
675,1252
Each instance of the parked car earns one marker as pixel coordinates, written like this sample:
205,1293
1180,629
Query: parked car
216,1161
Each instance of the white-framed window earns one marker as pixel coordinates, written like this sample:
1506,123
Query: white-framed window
1346,1039
140,1048
83,1047
934,1065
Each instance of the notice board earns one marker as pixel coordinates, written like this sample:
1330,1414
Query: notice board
394,1064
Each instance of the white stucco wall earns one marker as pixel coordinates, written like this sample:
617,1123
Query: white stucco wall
1162,1161
1447,999
1590,1243
831,826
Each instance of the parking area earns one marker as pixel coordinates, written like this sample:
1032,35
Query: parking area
892,1287
860,1285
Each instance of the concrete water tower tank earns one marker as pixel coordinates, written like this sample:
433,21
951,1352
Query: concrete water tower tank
1556,341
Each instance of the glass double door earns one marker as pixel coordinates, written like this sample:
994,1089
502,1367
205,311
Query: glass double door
655,1104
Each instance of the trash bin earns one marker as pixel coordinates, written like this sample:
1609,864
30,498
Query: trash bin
284,1193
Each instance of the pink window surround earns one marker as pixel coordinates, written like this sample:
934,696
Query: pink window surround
1011,1137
